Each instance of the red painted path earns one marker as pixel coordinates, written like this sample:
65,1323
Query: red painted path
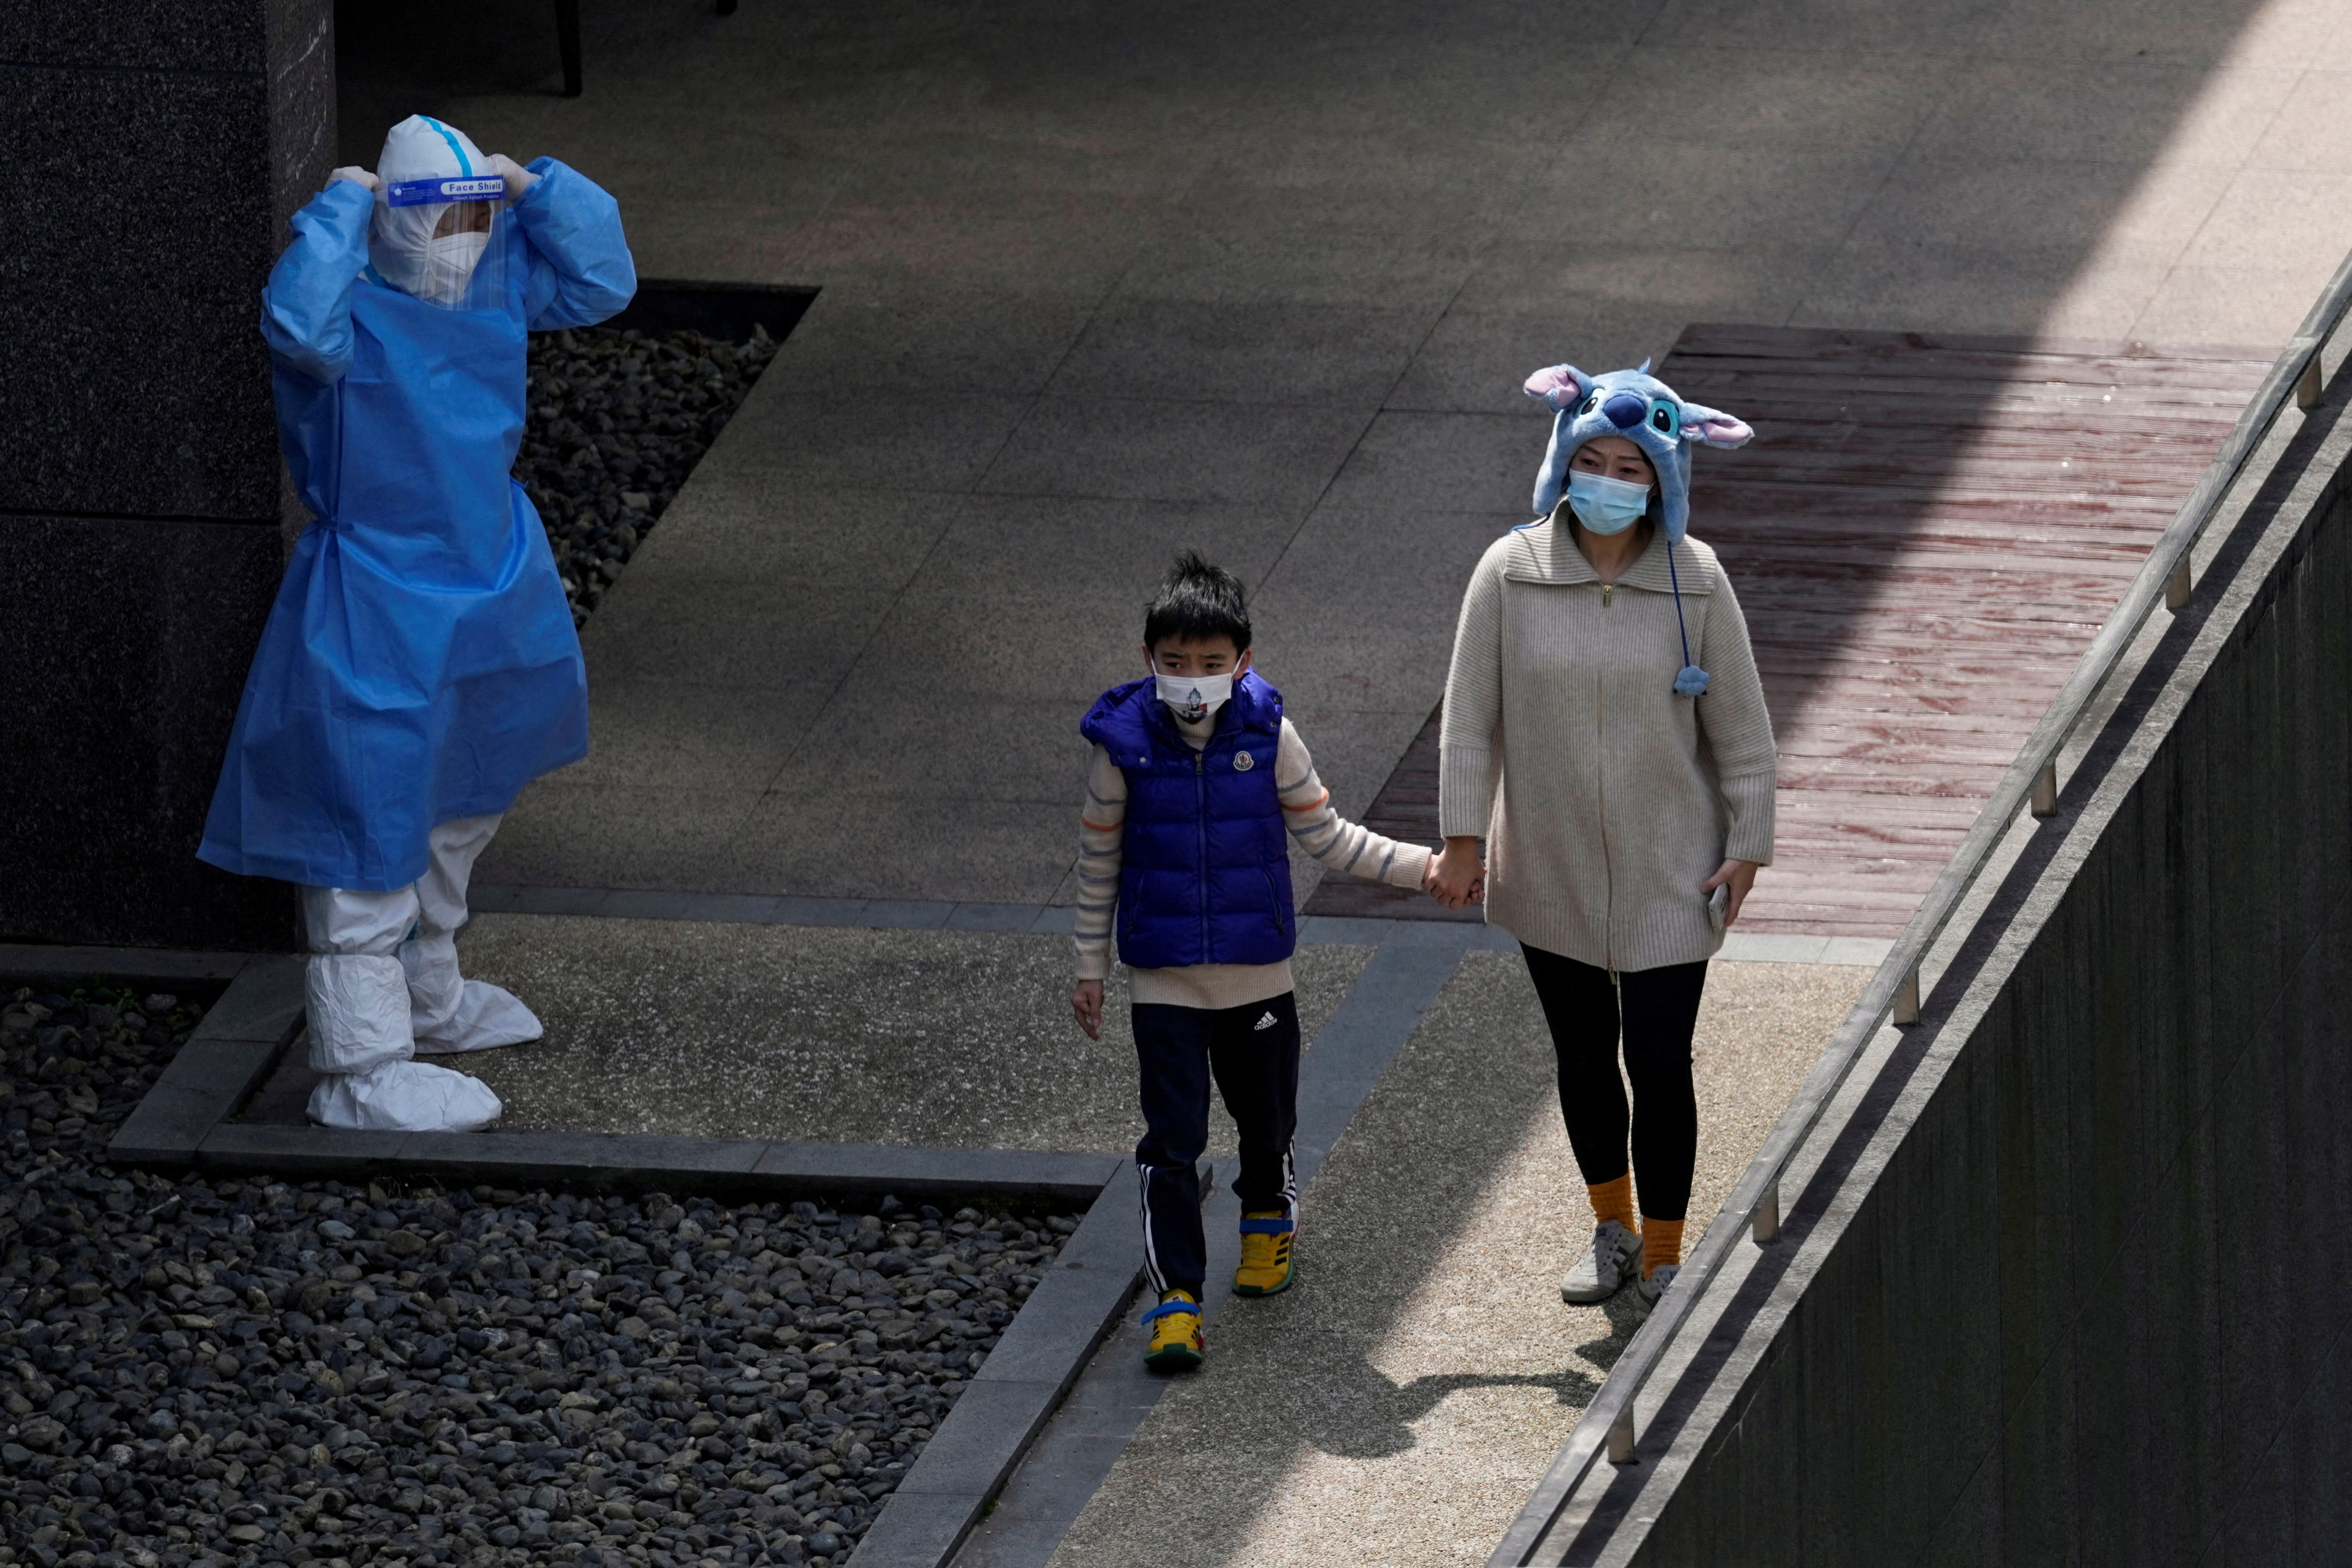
1925,535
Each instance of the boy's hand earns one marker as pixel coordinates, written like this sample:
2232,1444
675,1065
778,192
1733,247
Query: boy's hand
1085,1002
1456,876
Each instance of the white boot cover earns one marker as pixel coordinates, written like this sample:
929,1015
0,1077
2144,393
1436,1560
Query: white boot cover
358,1005
449,1014
404,1097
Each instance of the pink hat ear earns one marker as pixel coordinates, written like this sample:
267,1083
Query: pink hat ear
1715,429
1561,387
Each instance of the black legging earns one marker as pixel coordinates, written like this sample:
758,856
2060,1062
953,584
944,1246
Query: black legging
1661,1013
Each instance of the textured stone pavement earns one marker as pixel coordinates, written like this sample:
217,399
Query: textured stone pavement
1394,1407
931,1038
1102,280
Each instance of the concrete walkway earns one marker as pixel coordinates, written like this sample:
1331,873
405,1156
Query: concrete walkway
1103,281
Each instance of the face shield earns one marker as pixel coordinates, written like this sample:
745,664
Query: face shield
440,217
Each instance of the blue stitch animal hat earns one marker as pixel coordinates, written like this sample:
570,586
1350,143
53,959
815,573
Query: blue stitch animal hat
1645,411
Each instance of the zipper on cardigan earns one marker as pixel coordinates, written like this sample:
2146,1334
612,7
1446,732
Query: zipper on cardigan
1606,589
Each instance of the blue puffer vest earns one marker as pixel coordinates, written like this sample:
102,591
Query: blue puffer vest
1204,871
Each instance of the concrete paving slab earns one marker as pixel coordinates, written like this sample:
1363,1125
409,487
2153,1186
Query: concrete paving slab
1332,266
2130,112
1701,194
1042,598
1744,283
907,845
881,441
1193,207
2313,127
825,1034
1467,465
1153,449
866,334
589,835
1427,1368
1474,362
1330,656
2242,32
1950,216
1782,91
1264,353
654,735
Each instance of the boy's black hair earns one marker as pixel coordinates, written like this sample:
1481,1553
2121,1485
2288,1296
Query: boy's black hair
1198,601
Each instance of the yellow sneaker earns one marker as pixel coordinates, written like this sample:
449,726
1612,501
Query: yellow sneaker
1176,1340
1266,1254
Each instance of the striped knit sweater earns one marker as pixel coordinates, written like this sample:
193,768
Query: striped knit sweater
1335,842
1604,798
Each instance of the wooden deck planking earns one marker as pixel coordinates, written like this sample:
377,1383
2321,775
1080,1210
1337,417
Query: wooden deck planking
1925,535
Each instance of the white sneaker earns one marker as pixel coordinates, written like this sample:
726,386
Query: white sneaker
1650,1289
1601,1272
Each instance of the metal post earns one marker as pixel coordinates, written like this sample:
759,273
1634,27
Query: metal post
1767,1224
1907,999
1621,1437
2309,392
2176,587
2046,790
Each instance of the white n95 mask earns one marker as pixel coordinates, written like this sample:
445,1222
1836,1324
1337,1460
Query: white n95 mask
449,263
1194,697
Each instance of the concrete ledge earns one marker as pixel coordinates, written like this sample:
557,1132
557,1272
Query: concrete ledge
855,1168
203,1086
609,1160
1022,1384
224,1061
33,963
263,1003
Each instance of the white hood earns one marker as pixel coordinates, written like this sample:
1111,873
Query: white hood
400,240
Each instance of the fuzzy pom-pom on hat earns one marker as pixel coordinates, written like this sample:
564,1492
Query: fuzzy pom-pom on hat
1645,411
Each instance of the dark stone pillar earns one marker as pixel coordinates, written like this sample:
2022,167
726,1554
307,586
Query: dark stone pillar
156,149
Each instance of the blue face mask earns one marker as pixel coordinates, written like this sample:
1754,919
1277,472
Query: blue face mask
1605,505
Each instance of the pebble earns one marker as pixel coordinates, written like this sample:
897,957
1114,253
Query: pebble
248,1371
617,420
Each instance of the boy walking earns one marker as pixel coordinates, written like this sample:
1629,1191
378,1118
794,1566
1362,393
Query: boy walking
1196,787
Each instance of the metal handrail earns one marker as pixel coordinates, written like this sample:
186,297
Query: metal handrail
2031,782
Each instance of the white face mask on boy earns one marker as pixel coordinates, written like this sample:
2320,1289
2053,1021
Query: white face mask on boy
1193,698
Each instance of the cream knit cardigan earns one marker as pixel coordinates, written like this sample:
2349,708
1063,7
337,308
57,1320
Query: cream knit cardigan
1605,799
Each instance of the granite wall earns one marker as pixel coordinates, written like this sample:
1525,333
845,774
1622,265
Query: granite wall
156,149
2075,1285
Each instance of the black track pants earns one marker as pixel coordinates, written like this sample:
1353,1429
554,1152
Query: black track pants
1253,1054
1658,1012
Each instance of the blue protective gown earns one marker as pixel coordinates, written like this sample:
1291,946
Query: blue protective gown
420,663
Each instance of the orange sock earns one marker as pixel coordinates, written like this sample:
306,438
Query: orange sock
1614,1200
1661,1243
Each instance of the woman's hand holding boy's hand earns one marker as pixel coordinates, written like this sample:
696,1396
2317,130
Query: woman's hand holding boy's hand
1086,1004
1739,876
1456,876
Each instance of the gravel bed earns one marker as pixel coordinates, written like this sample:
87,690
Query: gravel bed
200,1370
616,421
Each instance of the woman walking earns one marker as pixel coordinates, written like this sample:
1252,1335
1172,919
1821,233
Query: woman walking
1605,733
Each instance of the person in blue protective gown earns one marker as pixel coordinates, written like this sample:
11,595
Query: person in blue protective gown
420,664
